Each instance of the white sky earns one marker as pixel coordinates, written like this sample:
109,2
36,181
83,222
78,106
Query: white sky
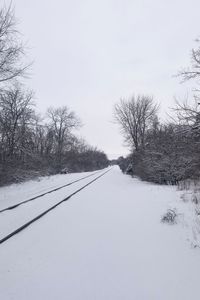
88,54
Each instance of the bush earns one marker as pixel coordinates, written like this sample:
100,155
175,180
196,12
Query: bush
169,217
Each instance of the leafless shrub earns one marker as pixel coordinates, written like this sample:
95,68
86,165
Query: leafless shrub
196,198
169,217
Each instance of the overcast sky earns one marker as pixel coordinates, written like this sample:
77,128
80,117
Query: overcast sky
89,53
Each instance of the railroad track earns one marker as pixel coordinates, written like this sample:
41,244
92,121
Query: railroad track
27,224
45,193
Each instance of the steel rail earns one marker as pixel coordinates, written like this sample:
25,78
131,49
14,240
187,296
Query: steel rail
48,192
19,229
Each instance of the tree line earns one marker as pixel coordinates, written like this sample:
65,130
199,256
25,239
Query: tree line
162,152
31,144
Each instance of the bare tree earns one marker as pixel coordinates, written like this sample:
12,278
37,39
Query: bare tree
186,113
11,50
62,122
135,116
15,115
193,71
190,114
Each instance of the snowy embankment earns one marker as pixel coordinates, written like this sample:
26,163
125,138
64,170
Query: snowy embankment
107,242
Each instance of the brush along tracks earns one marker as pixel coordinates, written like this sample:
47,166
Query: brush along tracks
27,224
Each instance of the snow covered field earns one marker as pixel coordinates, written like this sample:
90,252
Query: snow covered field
107,242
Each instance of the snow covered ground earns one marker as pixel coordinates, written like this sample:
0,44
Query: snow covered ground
107,242
12,219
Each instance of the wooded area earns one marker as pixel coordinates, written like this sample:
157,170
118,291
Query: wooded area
31,144
164,153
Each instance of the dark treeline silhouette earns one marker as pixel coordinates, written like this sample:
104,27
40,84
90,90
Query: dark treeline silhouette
32,145
162,153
